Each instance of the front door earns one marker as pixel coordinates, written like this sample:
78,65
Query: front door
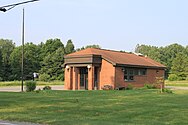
84,78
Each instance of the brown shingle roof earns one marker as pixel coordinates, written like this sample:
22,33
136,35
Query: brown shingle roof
119,58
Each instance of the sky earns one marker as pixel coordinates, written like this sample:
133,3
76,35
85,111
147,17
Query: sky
112,24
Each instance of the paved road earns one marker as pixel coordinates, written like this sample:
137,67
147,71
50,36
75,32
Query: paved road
176,88
15,123
18,88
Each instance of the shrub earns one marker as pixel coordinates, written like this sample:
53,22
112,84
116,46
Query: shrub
165,90
47,88
120,88
37,91
44,77
150,86
129,87
107,87
173,77
30,86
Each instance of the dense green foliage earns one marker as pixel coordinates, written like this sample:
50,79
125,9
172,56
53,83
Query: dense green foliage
174,56
30,86
6,48
173,77
89,46
131,107
46,59
31,61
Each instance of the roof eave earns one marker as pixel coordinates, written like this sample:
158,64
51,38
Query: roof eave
139,66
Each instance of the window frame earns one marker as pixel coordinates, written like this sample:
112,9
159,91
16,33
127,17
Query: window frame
130,73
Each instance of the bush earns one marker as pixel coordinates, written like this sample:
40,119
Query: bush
165,90
120,88
47,88
107,87
173,77
129,87
150,86
44,77
30,86
37,91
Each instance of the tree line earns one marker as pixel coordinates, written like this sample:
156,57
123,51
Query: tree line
45,58
174,57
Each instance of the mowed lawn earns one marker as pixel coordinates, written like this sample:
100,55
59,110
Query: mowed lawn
130,107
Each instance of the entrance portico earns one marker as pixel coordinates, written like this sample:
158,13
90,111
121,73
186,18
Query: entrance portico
84,75
81,77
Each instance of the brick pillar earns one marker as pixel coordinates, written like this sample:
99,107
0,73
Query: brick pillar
78,80
75,78
91,78
67,85
98,80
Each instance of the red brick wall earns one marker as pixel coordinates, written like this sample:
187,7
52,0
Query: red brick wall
139,81
68,79
91,78
107,73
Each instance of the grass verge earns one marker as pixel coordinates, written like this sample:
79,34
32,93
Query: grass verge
143,107
18,83
176,83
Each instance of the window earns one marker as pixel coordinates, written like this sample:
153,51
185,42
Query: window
142,72
129,73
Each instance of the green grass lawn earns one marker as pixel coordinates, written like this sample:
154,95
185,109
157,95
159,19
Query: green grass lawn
176,83
18,83
130,107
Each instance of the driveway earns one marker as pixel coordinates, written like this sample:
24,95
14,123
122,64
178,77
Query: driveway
176,88
18,88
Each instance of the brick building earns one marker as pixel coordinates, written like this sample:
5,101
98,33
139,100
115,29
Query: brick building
91,69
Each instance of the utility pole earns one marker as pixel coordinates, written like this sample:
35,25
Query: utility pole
23,38
6,8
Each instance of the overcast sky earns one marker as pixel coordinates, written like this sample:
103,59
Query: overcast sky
113,24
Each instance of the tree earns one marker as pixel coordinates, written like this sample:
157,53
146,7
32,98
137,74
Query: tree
186,49
15,62
52,65
169,53
31,61
69,47
180,66
50,46
151,51
6,48
89,46
1,73
164,55
52,55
